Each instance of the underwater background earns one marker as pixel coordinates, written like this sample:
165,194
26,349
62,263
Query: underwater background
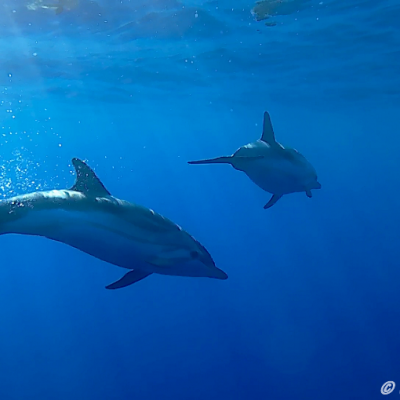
138,88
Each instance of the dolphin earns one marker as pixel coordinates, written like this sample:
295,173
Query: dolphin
272,167
87,217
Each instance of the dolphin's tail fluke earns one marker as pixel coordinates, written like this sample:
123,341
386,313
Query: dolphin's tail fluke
218,160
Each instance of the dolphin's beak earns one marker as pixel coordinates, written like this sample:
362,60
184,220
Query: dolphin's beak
213,270
206,259
317,185
219,274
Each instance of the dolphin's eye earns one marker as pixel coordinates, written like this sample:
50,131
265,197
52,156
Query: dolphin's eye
194,254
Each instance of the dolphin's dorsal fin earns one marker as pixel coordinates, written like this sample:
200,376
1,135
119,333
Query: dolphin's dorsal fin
86,180
268,135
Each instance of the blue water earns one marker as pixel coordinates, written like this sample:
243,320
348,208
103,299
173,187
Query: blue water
138,88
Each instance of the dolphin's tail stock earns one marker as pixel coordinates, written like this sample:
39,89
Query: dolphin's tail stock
218,160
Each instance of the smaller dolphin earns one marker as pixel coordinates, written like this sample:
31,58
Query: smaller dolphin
88,218
272,167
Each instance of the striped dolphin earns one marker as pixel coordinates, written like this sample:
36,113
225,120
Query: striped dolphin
87,217
272,167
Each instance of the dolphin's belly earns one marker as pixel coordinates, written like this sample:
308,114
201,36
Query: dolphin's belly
276,176
103,236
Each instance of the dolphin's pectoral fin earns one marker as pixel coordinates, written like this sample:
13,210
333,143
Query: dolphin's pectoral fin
86,180
128,279
272,200
218,160
308,193
268,135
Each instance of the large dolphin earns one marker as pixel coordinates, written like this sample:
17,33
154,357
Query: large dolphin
274,168
130,236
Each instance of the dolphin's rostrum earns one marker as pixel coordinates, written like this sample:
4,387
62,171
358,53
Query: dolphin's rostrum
130,236
272,167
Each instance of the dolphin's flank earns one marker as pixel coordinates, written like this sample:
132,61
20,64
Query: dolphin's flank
127,235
